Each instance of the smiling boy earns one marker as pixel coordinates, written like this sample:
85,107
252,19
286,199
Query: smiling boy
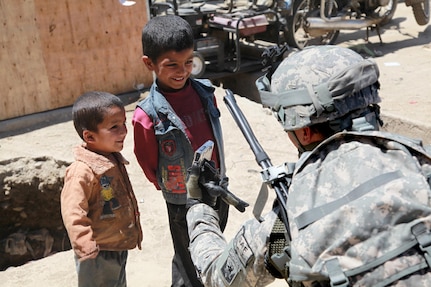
98,206
175,119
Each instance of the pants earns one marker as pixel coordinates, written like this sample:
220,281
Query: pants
183,269
107,269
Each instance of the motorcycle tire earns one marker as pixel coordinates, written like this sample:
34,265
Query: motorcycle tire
295,32
388,12
199,65
421,11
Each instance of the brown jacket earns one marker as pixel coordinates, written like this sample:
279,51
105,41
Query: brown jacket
98,206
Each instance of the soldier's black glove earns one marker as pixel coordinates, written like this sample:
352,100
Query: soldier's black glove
204,186
196,193
227,196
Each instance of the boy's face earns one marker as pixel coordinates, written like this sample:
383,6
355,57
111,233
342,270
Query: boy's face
172,69
110,133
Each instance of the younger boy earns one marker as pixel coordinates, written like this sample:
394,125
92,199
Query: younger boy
98,206
176,118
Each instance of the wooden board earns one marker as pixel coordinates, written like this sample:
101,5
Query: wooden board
53,51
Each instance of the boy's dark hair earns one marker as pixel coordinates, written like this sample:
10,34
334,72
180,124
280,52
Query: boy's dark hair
89,110
166,33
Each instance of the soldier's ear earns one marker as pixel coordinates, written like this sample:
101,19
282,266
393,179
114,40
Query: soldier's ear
310,136
305,135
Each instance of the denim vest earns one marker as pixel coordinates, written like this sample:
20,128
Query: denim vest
175,149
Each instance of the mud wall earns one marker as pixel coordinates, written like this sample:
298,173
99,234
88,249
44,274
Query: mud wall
31,226
53,51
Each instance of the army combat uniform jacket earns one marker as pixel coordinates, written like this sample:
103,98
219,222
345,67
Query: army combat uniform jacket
240,263
237,263
98,206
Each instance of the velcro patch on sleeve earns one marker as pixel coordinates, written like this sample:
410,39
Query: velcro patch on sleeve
242,248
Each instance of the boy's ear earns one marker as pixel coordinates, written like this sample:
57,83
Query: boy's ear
147,61
88,136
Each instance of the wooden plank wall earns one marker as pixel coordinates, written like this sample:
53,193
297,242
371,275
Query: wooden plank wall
53,51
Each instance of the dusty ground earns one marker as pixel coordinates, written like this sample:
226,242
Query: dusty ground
405,65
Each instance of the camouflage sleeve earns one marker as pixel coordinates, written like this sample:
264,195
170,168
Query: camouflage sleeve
237,263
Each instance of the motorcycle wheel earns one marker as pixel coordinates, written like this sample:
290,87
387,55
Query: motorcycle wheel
421,11
296,32
387,11
198,65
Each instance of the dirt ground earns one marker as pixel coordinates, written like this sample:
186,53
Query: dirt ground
405,66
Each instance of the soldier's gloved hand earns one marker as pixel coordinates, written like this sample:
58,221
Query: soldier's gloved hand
204,186
216,190
214,186
196,193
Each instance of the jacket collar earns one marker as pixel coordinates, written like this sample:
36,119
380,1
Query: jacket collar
203,87
98,163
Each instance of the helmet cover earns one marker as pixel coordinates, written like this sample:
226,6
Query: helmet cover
320,84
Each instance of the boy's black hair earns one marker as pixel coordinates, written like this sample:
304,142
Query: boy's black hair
166,33
90,108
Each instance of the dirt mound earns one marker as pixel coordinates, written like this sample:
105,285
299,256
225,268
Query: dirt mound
30,223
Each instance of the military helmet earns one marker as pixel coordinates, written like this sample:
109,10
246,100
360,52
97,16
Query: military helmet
319,84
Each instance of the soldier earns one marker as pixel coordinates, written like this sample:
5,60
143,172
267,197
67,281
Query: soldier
326,98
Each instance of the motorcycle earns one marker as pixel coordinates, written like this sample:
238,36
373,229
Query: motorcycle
231,35
318,22
227,34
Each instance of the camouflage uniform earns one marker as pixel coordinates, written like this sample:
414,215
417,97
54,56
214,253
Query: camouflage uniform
241,262
237,263
373,222
333,85
320,85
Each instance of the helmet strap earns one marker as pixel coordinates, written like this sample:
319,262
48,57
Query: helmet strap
296,141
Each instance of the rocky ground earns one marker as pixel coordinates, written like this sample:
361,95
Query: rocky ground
31,225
